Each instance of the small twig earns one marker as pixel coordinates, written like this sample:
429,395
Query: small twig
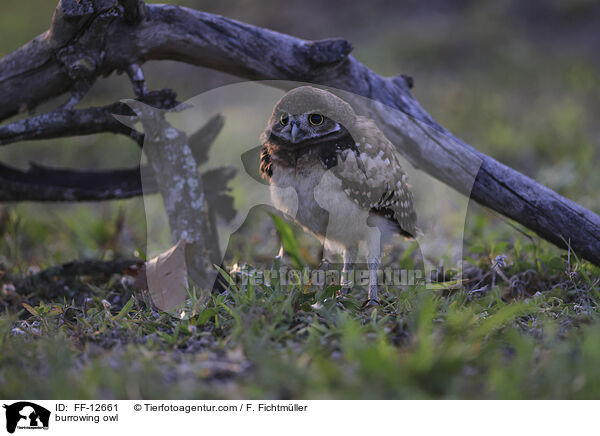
136,75
201,141
79,90
90,267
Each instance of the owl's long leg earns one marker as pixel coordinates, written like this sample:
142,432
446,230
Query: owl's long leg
374,260
350,254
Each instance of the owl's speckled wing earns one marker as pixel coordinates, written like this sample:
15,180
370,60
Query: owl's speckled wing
377,181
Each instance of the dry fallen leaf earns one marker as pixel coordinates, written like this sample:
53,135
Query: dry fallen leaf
165,277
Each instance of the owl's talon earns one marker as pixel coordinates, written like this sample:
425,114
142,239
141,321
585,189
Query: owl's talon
344,290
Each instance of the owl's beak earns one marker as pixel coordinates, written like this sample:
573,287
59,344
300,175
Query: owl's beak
295,131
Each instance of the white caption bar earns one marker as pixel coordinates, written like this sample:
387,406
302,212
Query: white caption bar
21,417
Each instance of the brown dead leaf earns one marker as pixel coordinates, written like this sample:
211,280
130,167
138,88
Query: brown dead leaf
166,278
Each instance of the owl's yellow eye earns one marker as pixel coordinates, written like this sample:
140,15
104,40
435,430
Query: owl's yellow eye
316,119
284,119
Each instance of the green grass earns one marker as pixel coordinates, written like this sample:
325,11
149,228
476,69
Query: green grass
300,342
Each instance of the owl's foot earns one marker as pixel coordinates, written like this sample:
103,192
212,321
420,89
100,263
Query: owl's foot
346,285
372,299
344,290
371,303
325,264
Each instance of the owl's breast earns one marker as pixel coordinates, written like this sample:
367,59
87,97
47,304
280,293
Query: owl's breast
315,199
293,192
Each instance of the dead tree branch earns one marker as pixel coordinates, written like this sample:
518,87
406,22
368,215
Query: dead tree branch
69,122
41,183
90,39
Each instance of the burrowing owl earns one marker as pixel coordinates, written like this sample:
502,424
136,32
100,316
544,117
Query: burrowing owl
346,175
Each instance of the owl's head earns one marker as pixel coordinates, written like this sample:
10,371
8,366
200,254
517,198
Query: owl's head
308,115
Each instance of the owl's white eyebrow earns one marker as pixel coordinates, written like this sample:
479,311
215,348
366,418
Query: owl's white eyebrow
336,128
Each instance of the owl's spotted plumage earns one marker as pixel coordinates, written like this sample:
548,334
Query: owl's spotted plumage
343,169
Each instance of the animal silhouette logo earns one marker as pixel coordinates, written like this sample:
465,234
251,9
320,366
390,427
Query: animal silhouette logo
26,415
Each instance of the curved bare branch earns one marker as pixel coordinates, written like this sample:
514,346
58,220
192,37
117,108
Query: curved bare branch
91,39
